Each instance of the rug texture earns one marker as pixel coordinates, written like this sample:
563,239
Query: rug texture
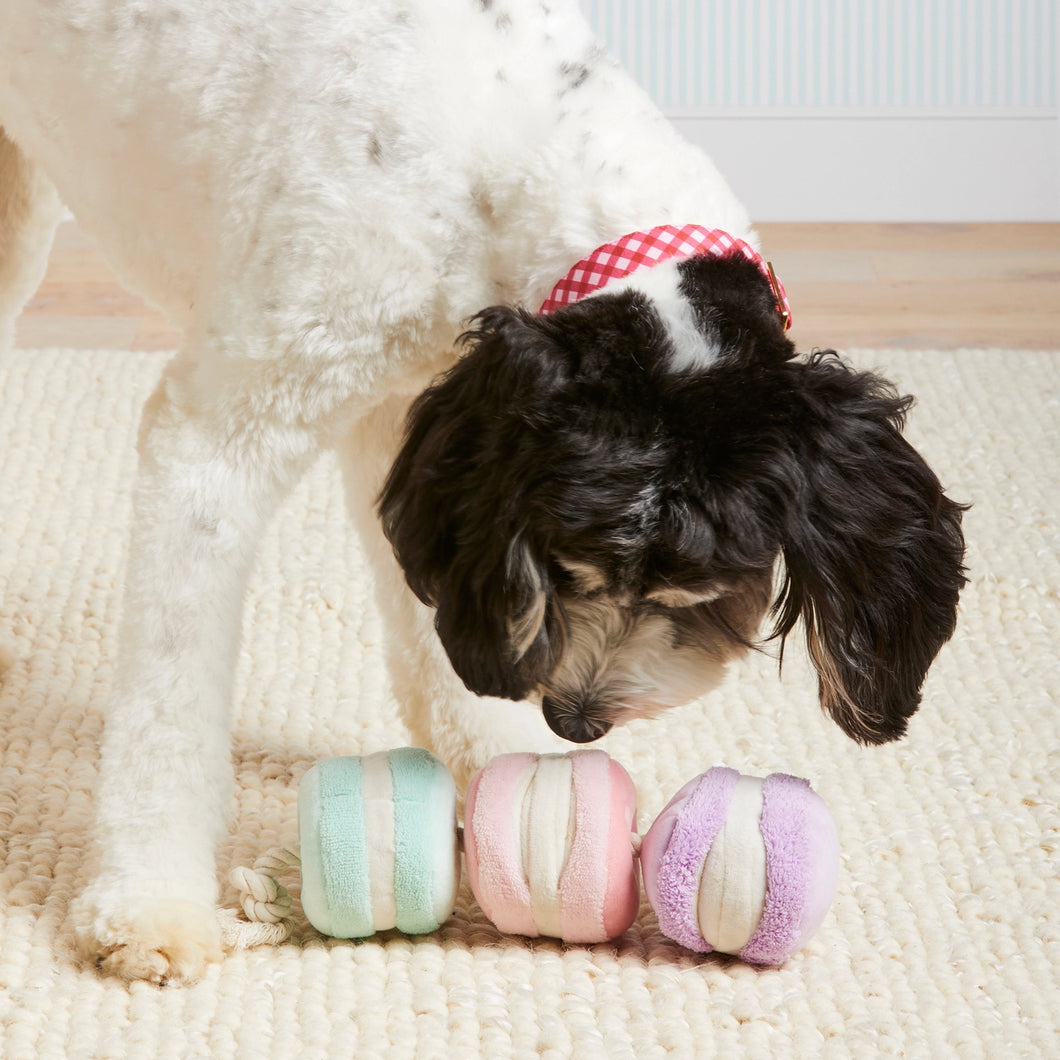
944,936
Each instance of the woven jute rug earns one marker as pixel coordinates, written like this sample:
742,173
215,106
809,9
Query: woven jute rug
944,936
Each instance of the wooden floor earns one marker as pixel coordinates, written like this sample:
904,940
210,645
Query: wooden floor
876,285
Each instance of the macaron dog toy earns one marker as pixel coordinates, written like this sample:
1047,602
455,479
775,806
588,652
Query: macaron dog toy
737,864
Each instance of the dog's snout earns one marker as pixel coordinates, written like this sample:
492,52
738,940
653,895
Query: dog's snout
571,723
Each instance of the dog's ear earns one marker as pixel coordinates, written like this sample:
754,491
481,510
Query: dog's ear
454,509
873,550
497,626
732,298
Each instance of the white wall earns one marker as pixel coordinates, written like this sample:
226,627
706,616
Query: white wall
887,167
890,110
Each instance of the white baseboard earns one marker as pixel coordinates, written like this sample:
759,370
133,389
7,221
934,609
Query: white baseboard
886,168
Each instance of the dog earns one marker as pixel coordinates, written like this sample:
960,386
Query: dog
353,209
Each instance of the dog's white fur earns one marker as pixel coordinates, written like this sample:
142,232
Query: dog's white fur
320,194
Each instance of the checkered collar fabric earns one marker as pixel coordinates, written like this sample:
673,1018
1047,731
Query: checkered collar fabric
641,250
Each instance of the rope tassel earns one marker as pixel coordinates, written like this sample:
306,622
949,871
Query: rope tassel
265,902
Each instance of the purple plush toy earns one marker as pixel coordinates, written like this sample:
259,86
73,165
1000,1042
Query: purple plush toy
742,865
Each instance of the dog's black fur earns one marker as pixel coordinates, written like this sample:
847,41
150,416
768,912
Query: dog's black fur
571,437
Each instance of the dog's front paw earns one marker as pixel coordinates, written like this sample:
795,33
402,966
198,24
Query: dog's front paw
168,941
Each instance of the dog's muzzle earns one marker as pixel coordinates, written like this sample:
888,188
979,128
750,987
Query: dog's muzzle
571,723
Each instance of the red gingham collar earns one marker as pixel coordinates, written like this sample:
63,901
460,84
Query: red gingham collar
641,250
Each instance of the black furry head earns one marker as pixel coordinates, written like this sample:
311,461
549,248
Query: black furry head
594,503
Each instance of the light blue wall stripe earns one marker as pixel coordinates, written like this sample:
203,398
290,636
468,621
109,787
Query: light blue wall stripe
903,54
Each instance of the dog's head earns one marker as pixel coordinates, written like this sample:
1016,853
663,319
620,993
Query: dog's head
594,503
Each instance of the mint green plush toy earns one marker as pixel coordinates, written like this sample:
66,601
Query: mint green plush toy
374,849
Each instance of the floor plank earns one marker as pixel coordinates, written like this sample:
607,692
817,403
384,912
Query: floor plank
912,237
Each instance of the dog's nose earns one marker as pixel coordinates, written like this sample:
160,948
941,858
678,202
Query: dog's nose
572,724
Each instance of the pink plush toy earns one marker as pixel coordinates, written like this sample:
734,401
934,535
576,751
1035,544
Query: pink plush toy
733,863
547,843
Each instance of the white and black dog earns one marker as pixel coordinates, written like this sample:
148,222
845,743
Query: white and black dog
587,505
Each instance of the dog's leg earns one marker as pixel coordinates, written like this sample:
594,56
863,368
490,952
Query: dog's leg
29,211
463,729
215,459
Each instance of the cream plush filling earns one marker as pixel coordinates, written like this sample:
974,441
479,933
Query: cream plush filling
378,792
732,886
545,826
446,852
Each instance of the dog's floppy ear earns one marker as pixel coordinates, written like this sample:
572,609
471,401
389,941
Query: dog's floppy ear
454,510
872,548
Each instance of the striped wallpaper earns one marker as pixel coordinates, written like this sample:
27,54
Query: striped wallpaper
902,55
